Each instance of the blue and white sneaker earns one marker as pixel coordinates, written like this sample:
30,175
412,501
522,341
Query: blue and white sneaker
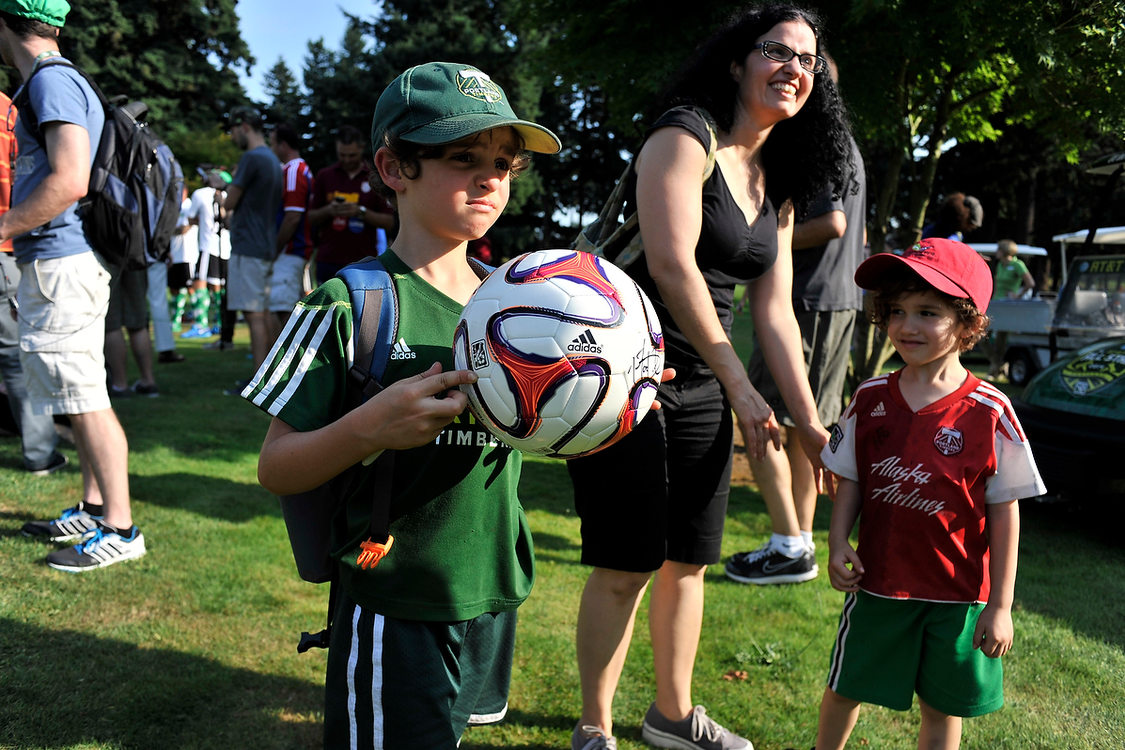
197,331
102,548
74,523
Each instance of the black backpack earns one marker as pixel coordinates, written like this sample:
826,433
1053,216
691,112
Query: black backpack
136,184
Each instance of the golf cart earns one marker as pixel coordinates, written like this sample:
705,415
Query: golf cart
1074,410
1044,327
1026,321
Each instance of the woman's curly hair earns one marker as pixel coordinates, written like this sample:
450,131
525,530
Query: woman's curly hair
802,154
901,281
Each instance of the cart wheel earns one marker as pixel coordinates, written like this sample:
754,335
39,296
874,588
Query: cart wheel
1020,367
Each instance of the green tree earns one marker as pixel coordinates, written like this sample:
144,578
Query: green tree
341,90
922,75
180,57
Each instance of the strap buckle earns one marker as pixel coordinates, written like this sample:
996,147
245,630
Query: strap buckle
371,553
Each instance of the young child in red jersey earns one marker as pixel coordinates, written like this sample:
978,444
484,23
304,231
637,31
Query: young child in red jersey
932,460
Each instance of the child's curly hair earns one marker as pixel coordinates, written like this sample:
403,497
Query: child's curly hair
901,281
411,155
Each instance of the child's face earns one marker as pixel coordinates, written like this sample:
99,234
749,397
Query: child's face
462,193
924,328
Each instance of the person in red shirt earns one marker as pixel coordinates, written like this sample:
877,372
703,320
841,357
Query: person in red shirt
37,431
350,218
932,461
294,236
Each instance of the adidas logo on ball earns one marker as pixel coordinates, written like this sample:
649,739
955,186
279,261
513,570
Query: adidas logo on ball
585,344
402,351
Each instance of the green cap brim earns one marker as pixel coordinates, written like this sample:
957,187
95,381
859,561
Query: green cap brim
536,138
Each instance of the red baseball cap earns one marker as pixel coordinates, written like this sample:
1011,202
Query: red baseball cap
946,265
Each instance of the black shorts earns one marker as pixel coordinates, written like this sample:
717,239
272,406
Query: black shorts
179,276
661,492
407,684
128,300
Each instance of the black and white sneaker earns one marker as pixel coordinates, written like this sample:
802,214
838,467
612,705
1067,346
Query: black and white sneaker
767,565
104,547
74,523
54,463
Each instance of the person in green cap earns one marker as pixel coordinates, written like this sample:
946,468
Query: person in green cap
421,645
64,285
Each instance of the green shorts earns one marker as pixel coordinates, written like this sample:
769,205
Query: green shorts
887,650
406,684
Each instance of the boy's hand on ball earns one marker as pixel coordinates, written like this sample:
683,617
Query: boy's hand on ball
418,408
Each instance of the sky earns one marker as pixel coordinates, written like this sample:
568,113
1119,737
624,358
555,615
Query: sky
283,28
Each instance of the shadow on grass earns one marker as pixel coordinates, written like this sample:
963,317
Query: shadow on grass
522,722
212,497
63,689
1070,568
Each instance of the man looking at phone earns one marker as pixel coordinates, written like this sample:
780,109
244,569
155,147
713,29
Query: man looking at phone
351,219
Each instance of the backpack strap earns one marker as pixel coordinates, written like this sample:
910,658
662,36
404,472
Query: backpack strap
22,99
605,233
375,311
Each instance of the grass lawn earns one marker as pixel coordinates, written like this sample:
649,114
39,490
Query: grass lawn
193,646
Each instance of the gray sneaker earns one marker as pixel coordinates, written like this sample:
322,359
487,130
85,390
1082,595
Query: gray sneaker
104,547
74,523
697,732
590,737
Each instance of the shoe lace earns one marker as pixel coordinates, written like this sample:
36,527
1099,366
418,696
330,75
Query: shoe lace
70,513
704,727
594,734
757,554
93,542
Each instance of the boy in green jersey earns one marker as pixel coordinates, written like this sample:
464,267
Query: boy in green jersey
422,643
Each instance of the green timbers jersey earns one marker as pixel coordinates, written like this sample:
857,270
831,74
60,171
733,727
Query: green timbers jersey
462,543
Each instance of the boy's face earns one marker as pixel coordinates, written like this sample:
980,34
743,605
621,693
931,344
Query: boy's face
925,329
460,194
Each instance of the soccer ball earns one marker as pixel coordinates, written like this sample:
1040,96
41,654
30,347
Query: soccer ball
567,351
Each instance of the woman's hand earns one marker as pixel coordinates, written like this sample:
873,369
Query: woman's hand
758,424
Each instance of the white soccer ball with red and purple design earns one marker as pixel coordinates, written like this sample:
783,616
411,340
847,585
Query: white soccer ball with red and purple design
567,350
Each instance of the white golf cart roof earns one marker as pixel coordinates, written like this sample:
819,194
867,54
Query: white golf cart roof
1102,236
989,248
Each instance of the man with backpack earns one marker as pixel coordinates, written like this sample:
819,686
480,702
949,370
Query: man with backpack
64,287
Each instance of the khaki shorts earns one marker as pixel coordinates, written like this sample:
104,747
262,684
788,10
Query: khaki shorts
63,303
248,284
286,282
826,338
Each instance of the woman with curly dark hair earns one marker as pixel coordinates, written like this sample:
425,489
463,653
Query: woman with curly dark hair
652,505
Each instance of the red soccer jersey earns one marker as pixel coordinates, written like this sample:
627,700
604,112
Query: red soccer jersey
924,479
342,240
298,185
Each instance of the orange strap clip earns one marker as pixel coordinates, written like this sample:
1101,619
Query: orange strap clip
371,553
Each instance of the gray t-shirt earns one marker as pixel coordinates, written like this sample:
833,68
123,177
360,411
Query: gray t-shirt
253,230
823,277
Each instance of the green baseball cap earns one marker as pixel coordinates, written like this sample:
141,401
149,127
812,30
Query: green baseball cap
52,12
440,102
